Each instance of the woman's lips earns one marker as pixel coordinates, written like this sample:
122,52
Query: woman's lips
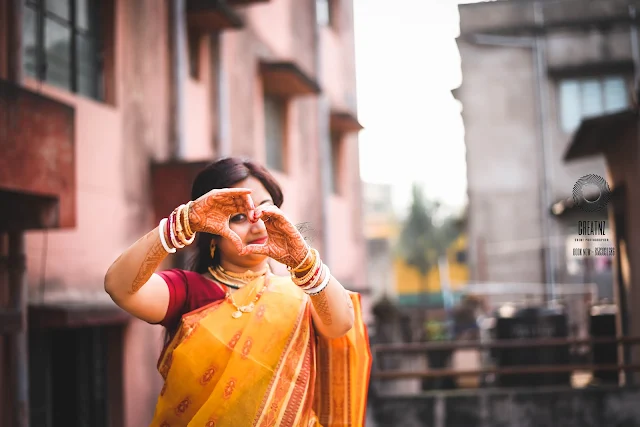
258,241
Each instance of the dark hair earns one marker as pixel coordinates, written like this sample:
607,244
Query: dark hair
225,173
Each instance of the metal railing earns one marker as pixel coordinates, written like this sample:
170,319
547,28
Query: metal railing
379,350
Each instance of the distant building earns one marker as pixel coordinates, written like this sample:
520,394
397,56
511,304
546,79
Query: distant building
416,290
531,72
380,231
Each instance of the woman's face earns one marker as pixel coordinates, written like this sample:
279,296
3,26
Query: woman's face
249,233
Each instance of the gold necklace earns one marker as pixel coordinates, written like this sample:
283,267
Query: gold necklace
235,280
240,310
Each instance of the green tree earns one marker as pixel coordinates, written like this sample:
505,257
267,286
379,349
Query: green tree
424,239
416,231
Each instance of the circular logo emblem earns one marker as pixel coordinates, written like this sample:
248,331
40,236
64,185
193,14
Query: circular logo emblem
591,193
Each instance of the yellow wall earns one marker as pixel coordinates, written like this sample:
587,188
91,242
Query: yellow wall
410,281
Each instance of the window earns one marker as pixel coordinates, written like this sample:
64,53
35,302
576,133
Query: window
71,380
63,44
194,54
325,12
583,98
334,173
274,125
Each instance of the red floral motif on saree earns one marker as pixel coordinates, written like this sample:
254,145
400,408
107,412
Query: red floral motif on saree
165,424
260,313
210,423
208,374
246,348
235,339
183,406
228,390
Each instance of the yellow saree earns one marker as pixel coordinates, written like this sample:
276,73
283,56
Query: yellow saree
266,368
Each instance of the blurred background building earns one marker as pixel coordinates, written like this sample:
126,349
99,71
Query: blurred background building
532,72
108,109
548,96
381,228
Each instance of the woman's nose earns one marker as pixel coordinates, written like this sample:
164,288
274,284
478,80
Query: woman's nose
257,226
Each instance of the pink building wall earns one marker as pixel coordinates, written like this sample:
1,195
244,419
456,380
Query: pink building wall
116,141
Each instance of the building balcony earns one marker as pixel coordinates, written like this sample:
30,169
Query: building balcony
344,122
37,165
209,16
287,79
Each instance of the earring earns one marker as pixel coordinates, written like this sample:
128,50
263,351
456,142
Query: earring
212,248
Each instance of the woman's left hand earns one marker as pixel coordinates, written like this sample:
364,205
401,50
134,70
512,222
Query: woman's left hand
285,244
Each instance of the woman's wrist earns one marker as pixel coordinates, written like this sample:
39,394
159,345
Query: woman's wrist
311,275
175,231
300,267
305,264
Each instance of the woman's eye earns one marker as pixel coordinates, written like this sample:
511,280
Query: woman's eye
238,218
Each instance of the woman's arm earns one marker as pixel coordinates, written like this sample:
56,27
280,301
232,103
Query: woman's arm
130,280
332,311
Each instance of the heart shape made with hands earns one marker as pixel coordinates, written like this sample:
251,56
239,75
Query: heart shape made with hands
284,244
211,213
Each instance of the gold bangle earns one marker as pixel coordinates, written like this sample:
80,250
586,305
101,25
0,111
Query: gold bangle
299,268
302,280
187,226
309,263
183,228
179,227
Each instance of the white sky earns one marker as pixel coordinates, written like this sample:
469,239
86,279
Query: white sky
407,62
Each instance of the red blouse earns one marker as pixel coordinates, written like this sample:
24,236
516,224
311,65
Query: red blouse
188,291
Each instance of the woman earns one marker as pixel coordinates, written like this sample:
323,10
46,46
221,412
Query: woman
245,347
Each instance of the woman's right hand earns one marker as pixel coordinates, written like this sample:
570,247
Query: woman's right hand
210,213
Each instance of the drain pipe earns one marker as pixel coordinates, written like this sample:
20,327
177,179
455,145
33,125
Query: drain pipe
221,98
540,58
179,76
324,145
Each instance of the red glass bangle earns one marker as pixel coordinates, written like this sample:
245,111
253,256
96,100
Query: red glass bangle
313,278
170,226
